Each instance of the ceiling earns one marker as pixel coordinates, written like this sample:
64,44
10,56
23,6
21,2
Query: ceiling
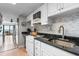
19,8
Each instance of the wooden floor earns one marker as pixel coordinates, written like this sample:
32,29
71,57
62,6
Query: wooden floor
15,52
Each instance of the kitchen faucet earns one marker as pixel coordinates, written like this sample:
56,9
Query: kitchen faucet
62,30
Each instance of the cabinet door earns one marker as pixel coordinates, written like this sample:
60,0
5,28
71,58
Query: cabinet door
37,43
30,18
29,44
53,51
44,14
44,53
37,48
69,6
59,52
52,9
37,52
47,49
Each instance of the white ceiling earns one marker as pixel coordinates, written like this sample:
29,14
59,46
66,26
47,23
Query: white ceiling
20,8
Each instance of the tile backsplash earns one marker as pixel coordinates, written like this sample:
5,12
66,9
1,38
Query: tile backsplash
70,23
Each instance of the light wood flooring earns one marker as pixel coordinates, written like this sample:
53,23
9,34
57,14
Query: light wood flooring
15,52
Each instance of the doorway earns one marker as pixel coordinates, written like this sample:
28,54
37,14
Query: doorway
7,37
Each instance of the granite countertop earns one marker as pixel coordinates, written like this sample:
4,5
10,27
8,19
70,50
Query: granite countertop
74,50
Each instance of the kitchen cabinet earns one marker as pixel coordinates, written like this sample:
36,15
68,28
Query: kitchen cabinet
37,20
56,8
37,48
44,15
30,45
46,49
52,9
42,49
53,51
69,6
30,18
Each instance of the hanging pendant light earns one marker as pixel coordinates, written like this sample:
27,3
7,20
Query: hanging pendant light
11,20
17,20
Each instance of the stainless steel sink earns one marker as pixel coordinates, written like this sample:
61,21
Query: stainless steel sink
61,42
63,39
64,43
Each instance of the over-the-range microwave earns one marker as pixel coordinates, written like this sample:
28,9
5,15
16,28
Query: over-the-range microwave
37,16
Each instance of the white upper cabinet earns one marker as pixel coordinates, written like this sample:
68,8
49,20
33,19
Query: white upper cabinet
44,14
56,8
37,20
43,20
69,6
52,9
30,18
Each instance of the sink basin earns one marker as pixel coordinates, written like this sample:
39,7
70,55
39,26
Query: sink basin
64,43
61,42
63,39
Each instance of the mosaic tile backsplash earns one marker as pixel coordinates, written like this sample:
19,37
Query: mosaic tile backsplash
70,23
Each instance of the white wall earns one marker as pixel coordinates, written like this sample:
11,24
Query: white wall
21,29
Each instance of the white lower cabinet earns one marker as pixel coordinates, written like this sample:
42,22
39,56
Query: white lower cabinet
46,49
30,45
59,52
53,51
37,48
43,49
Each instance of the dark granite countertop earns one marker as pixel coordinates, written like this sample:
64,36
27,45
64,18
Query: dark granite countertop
74,50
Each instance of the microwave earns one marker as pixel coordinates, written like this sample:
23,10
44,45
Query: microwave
37,15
